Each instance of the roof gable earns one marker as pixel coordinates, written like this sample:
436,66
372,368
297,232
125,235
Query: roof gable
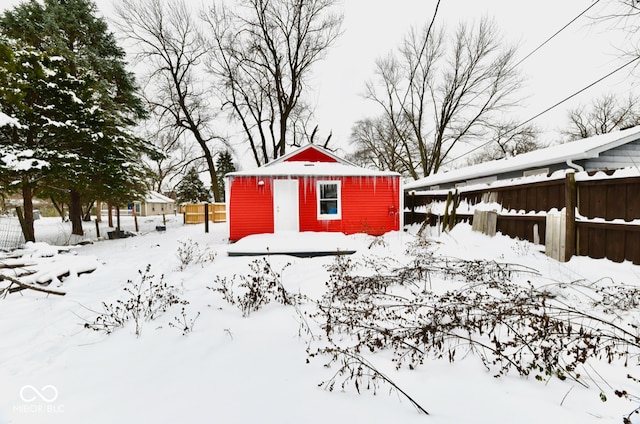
155,197
310,153
311,161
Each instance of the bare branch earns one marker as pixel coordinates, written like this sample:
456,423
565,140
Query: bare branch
603,115
262,53
438,91
168,40
30,286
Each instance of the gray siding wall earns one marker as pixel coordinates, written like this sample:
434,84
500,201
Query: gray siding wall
620,157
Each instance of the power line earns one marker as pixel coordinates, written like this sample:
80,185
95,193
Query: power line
560,102
555,34
551,107
579,91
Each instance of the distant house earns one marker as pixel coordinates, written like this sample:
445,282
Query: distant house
311,189
154,204
606,152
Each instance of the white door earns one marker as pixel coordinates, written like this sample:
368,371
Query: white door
285,206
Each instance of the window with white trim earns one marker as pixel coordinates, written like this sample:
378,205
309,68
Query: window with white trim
329,204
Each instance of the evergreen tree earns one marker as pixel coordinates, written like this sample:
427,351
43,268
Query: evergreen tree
224,165
28,80
84,114
191,189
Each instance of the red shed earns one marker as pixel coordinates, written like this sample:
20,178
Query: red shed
311,189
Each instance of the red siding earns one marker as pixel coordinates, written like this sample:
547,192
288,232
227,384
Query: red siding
250,207
369,205
310,155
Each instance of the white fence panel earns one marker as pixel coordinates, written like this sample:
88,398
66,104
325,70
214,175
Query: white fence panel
555,235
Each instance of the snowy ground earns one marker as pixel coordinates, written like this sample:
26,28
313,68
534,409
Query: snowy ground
232,369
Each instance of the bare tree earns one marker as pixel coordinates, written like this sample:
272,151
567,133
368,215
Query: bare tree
177,155
625,16
262,53
379,145
605,114
451,89
171,45
301,122
508,140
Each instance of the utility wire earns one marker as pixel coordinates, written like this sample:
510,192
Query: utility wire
579,91
551,107
560,102
555,34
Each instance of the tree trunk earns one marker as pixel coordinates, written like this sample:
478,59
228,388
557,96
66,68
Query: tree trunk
27,203
75,213
59,207
110,215
98,211
86,216
215,188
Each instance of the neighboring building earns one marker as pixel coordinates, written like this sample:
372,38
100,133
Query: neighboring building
606,152
155,204
311,189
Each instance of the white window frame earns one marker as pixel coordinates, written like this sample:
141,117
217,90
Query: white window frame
329,216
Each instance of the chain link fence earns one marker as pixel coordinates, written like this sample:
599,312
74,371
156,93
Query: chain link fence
11,236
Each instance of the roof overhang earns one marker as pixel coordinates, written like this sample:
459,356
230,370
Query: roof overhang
587,148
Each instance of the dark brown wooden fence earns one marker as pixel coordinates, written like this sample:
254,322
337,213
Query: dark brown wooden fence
606,209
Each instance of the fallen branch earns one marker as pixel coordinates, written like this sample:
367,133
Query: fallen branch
4,265
29,286
353,365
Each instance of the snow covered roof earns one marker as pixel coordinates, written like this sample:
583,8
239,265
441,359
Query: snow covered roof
586,148
155,197
290,166
315,169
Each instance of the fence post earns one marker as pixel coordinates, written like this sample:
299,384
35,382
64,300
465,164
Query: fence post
412,196
135,217
445,219
206,217
570,199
